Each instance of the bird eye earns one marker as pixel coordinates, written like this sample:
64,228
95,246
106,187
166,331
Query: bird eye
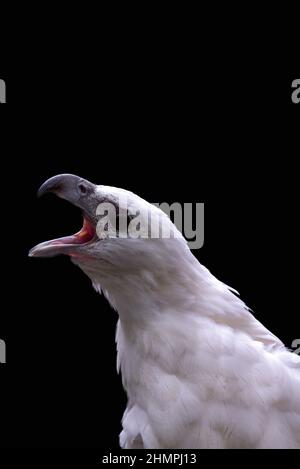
82,188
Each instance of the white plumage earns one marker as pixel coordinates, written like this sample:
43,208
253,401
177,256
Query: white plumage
199,370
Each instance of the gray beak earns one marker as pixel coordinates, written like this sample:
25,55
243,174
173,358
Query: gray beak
69,187
80,193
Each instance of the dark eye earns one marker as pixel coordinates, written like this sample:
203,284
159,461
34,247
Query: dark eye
82,188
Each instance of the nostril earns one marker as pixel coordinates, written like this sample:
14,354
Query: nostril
82,188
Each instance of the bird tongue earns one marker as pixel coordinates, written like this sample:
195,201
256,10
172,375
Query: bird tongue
64,245
83,236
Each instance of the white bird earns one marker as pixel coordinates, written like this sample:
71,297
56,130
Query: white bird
198,369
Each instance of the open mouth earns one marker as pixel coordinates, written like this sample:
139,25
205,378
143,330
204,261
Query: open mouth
84,236
80,193
66,244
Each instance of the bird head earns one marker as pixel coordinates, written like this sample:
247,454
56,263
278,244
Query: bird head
122,234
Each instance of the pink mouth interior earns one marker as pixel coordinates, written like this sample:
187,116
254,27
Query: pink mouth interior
85,235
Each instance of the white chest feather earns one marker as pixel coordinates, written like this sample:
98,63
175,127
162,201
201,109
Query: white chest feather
195,383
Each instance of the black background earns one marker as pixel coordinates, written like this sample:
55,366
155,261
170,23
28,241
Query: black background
171,122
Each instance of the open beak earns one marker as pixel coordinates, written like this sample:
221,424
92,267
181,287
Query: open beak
81,193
